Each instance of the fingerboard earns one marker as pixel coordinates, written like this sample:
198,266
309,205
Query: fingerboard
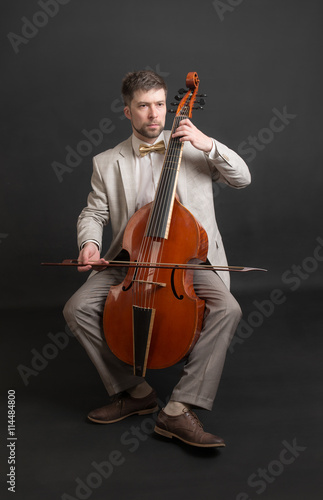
161,212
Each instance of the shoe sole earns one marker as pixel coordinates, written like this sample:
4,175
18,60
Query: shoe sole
141,412
170,435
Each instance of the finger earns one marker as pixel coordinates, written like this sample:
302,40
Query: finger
186,121
101,264
99,268
180,131
83,269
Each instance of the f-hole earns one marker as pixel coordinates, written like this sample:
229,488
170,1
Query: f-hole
124,289
179,297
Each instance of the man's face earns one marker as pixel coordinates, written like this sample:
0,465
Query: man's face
147,113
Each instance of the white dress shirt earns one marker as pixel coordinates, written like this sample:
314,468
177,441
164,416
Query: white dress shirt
148,170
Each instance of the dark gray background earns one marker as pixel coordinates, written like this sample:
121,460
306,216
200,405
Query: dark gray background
258,56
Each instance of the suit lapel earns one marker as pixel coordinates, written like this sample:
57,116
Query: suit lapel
127,169
181,183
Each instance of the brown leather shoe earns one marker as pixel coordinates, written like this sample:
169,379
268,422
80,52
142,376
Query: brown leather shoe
187,428
123,406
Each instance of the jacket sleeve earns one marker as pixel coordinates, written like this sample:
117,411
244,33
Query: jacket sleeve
228,167
95,215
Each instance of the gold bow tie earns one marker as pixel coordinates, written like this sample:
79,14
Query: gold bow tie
156,148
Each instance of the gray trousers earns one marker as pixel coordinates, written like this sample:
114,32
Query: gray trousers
202,371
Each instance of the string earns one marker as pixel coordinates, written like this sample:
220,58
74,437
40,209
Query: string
151,249
161,210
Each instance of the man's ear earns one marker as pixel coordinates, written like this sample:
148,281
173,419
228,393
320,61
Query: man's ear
127,112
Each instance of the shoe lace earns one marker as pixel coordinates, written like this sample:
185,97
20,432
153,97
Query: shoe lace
118,398
193,416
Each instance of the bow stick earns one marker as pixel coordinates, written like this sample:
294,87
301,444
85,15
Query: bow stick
162,265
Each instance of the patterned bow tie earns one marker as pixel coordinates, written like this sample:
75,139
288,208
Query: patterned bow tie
156,148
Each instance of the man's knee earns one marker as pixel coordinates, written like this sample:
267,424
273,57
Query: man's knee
235,309
68,311
71,312
230,307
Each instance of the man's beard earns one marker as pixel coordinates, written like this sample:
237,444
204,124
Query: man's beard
150,134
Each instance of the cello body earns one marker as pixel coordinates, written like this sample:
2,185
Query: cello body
177,313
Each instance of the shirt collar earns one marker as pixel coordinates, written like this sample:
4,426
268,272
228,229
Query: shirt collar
136,142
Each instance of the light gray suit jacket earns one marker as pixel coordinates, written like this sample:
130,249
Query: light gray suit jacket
113,196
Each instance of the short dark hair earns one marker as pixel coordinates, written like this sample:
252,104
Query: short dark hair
140,80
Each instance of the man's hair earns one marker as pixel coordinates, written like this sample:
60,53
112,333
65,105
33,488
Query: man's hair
140,80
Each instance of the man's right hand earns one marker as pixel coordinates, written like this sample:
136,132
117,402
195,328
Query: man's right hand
89,253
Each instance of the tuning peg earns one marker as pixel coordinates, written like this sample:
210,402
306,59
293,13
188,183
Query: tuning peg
171,111
197,107
182,91
178,98
174,103
201,101
201,95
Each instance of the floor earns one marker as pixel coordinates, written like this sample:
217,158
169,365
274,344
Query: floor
268,410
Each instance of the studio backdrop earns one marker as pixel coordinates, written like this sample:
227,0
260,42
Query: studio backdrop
62,66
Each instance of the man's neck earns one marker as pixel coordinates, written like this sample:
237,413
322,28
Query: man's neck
148,140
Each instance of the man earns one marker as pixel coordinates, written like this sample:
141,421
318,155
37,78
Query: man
123,180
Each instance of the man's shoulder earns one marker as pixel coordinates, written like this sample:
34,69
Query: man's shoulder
123,149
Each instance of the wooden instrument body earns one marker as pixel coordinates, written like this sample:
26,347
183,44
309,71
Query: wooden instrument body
178,312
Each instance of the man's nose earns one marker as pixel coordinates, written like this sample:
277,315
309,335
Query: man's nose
153,112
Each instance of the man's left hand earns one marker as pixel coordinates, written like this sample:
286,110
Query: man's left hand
188,132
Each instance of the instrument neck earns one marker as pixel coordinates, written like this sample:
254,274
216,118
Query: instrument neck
160,217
